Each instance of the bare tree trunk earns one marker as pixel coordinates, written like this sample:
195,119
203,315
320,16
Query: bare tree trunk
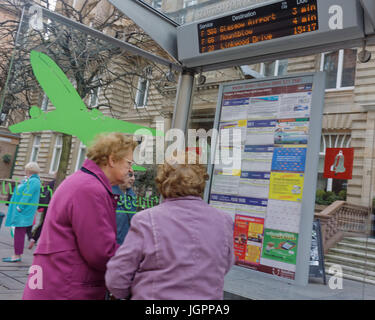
64,159
65,151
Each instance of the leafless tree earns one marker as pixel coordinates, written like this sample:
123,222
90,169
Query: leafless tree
88,62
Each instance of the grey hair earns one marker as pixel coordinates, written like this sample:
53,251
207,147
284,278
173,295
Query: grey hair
32,167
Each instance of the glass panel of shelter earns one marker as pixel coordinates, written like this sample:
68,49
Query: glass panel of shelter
354,218
105,77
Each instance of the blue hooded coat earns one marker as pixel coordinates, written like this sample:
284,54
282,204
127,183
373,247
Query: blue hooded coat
124,212
26,198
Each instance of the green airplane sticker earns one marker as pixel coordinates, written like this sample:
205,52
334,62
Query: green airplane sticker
71,115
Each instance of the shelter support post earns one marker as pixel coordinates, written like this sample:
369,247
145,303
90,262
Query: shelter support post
184,98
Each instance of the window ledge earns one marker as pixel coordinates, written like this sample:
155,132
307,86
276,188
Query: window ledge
340,89
368,106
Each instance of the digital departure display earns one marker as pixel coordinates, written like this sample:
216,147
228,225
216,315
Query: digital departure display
281,19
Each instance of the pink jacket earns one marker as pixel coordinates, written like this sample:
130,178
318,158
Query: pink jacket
180,249
78,238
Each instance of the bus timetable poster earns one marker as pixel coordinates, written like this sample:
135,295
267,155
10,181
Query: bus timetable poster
264,196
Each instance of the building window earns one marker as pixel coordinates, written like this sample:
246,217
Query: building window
3,117
95,92
81,156
56,154
156,4
120,34
274,68
142,93
331,140
189,3
45,103
340,68
181,19
35,148
94,97
50,4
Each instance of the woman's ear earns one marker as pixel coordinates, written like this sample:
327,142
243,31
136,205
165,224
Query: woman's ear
111,162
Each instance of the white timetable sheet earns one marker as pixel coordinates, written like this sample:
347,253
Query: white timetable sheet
264,107
283,215
254,184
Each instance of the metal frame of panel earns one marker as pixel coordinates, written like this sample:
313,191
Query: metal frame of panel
113,41
311,169
157,26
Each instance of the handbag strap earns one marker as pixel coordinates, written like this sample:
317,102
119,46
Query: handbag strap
93,174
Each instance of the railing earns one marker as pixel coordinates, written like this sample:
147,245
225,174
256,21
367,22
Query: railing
340,219
6,188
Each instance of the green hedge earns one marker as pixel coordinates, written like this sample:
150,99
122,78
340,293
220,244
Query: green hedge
328,197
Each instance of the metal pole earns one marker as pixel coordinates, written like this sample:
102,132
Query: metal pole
182,108
310,179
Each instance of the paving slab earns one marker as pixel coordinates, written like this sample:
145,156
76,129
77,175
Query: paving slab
253,285
12,284
11,295
13,276
15,273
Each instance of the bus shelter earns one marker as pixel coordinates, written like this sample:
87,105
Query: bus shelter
282,72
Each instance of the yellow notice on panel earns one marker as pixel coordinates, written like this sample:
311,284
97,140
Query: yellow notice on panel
286,186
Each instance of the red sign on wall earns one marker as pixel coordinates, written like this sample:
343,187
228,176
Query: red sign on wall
197,150
338,163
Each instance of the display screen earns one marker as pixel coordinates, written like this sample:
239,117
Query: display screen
281,19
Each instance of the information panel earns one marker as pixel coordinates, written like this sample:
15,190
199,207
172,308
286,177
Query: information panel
264,194
269,22
277,28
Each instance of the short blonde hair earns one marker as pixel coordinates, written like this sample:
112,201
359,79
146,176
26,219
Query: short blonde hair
32,167
115,143
175,180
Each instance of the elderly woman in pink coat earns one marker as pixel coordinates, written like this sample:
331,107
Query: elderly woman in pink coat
79,233
180,249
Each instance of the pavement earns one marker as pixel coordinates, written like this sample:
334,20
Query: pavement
240,283
244,283
13,276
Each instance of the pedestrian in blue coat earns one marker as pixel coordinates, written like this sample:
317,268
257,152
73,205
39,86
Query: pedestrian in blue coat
125,207
22,209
